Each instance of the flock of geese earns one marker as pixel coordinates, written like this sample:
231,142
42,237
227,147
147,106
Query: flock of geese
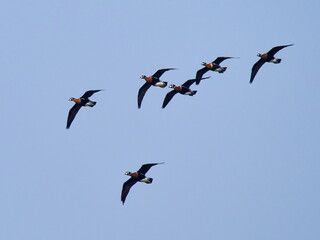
184,89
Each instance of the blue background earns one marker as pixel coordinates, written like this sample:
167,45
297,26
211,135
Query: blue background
241,160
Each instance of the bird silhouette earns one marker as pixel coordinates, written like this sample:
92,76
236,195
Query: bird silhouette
80,102
184,89
153,80
213,66
138,176
266,57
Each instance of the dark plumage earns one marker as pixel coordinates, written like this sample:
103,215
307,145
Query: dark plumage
153,80
80,102
213,66
138,176
266,57
184,89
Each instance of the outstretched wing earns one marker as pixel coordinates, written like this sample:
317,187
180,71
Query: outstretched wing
158,73
189,82
142,92
168,98
72,113
200,74
126,188
274,50
145,167
220,59
88,94
255,68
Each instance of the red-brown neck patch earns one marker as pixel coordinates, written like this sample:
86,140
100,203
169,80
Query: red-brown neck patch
178,88
134,175
264,56
209,65
77,100
148,79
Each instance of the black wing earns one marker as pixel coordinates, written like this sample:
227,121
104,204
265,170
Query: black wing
200,74
255,68
88,94
274,50
126,188
161,71
189,82
220,59
168,98
145,167
142,92
72,113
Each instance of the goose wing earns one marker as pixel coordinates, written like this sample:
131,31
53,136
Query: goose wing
145,167
274,50
72,113
142,92
220,59
158,73
255,68
126,188
88,94
189,82
200,73
168,98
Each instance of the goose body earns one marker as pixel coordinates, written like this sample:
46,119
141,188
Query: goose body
266,57
212,66
153,80
184,89
83,101
138,176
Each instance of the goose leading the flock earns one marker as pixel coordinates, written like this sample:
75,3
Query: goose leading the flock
266,57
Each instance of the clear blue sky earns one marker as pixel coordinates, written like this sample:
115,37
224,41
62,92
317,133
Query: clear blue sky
241,160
